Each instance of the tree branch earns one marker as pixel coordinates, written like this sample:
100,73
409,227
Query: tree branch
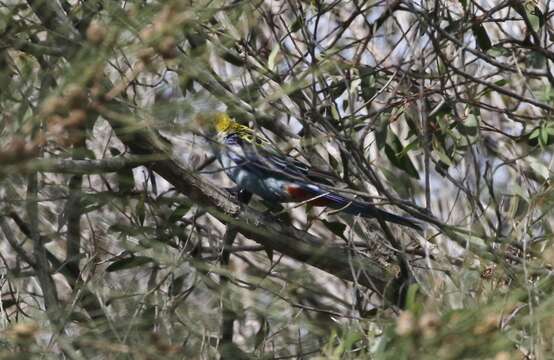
257,226
228,316
53,18
46,282
80,167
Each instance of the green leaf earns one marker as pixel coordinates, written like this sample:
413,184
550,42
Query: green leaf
337,88
186,83
442,156
335,227
176,286
232,58
345,104
518,207
497,51
398,157
381,130
415,144
412,303
367,85
297,24
333,162
535,133
269,253
92,202
147,318
543,137
261,335
536,18
538,13
179,212
273,56
335,114
481,36
140,209
469,127
125,180
539,169
536,59
129,263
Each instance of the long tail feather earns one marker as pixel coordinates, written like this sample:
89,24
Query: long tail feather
363,209
368,210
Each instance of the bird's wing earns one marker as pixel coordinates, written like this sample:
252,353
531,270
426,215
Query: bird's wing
265,163
259,160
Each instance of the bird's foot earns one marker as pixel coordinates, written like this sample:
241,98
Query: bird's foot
240,194
279,211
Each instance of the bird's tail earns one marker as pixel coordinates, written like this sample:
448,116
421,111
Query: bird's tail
370,211
355,207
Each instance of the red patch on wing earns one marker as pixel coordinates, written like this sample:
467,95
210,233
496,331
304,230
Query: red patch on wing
299,194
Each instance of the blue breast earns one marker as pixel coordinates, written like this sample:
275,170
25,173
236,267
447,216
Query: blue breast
267,187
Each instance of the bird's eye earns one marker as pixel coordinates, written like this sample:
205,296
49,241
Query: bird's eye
258,141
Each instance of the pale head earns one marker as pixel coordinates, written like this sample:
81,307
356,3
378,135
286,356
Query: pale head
218,122
221,124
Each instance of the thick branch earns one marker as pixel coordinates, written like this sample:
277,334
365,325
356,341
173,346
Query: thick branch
14,244
53,18
79,167
259,227
228,316
88,300
46,282
73,214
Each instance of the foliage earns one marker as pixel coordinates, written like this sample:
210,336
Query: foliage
119,240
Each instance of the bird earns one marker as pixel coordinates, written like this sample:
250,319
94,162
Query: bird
258,168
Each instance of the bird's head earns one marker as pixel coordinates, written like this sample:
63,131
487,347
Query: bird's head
215,122
220,124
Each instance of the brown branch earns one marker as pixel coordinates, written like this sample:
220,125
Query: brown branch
79,167
53,18
261,228
73,211
257,226
73,215
24,227
8,234
228,316
89,301
46,282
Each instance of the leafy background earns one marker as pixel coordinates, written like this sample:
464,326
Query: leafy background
119,239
